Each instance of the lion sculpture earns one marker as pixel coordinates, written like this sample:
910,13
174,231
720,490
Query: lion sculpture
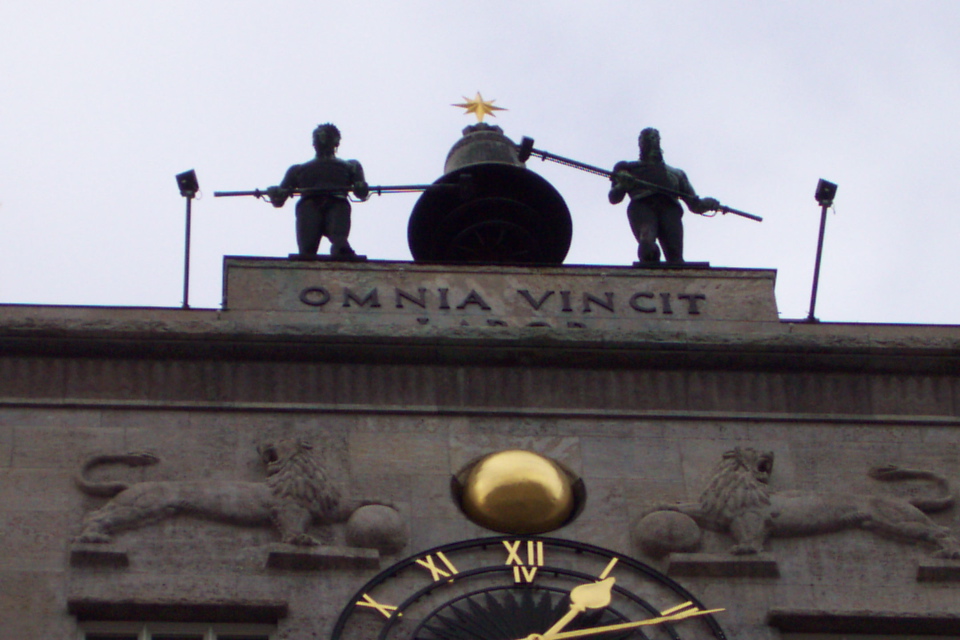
295,494
737,501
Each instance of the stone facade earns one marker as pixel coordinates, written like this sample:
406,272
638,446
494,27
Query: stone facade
641,405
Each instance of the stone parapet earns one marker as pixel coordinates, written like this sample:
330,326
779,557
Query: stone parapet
428,300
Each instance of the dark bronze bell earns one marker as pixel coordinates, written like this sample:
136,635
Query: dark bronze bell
501,212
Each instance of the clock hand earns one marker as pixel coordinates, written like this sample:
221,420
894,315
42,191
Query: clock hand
672,615
594,595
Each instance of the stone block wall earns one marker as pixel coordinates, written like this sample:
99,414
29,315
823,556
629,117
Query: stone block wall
407,459
391,420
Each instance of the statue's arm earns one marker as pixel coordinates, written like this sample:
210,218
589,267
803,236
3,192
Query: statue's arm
695,203
617,188
360,187
278,195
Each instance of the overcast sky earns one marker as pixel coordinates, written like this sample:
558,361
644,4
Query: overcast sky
102,103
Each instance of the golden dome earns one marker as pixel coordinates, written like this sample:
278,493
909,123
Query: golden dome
518,492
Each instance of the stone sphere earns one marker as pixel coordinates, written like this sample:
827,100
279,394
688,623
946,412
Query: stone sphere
376,526
518,492
663,532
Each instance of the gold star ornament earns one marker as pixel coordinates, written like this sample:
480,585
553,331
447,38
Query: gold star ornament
479,107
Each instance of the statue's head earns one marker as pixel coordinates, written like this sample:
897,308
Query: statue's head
650,144
326,138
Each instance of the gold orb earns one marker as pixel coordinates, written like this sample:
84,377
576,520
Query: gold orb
518,492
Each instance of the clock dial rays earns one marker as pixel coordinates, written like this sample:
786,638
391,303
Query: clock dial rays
523,588
508,613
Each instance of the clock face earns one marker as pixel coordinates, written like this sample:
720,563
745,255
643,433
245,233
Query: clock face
524,588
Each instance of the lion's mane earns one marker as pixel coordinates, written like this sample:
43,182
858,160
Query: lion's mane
738,483
297,476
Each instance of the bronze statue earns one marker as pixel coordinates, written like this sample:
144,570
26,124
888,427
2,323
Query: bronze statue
325,212
655,215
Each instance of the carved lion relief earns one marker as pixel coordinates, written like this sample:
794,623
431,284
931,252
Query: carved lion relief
738,501
295,494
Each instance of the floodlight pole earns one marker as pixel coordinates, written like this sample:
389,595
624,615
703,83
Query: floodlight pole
824,195
816,268
187,182
186,256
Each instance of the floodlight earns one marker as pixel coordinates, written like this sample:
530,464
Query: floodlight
187,181
825,192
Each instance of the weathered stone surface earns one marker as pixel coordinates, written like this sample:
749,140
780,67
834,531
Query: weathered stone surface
35,489
92,555
938,571
172,588
713,565
33,540
398,453
377,527
130,609
6,437
865,621
59,446
32,606
663,532
292,558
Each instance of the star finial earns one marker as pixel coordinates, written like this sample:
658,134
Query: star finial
479,107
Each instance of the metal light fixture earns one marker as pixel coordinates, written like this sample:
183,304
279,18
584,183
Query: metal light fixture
187,182
825,192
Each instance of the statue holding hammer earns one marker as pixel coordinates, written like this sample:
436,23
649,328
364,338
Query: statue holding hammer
655,214
323,184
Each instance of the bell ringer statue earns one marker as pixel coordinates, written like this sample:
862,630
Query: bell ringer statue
325,211
655,216
491,216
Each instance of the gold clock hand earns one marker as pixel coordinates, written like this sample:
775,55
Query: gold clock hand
593,595
677,615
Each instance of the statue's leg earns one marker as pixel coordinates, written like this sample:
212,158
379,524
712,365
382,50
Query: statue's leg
911,524
309,226
136,507
750,530
644,224
96,529
293,521
337,228
671,234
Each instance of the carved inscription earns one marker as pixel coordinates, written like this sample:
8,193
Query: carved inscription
586,303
